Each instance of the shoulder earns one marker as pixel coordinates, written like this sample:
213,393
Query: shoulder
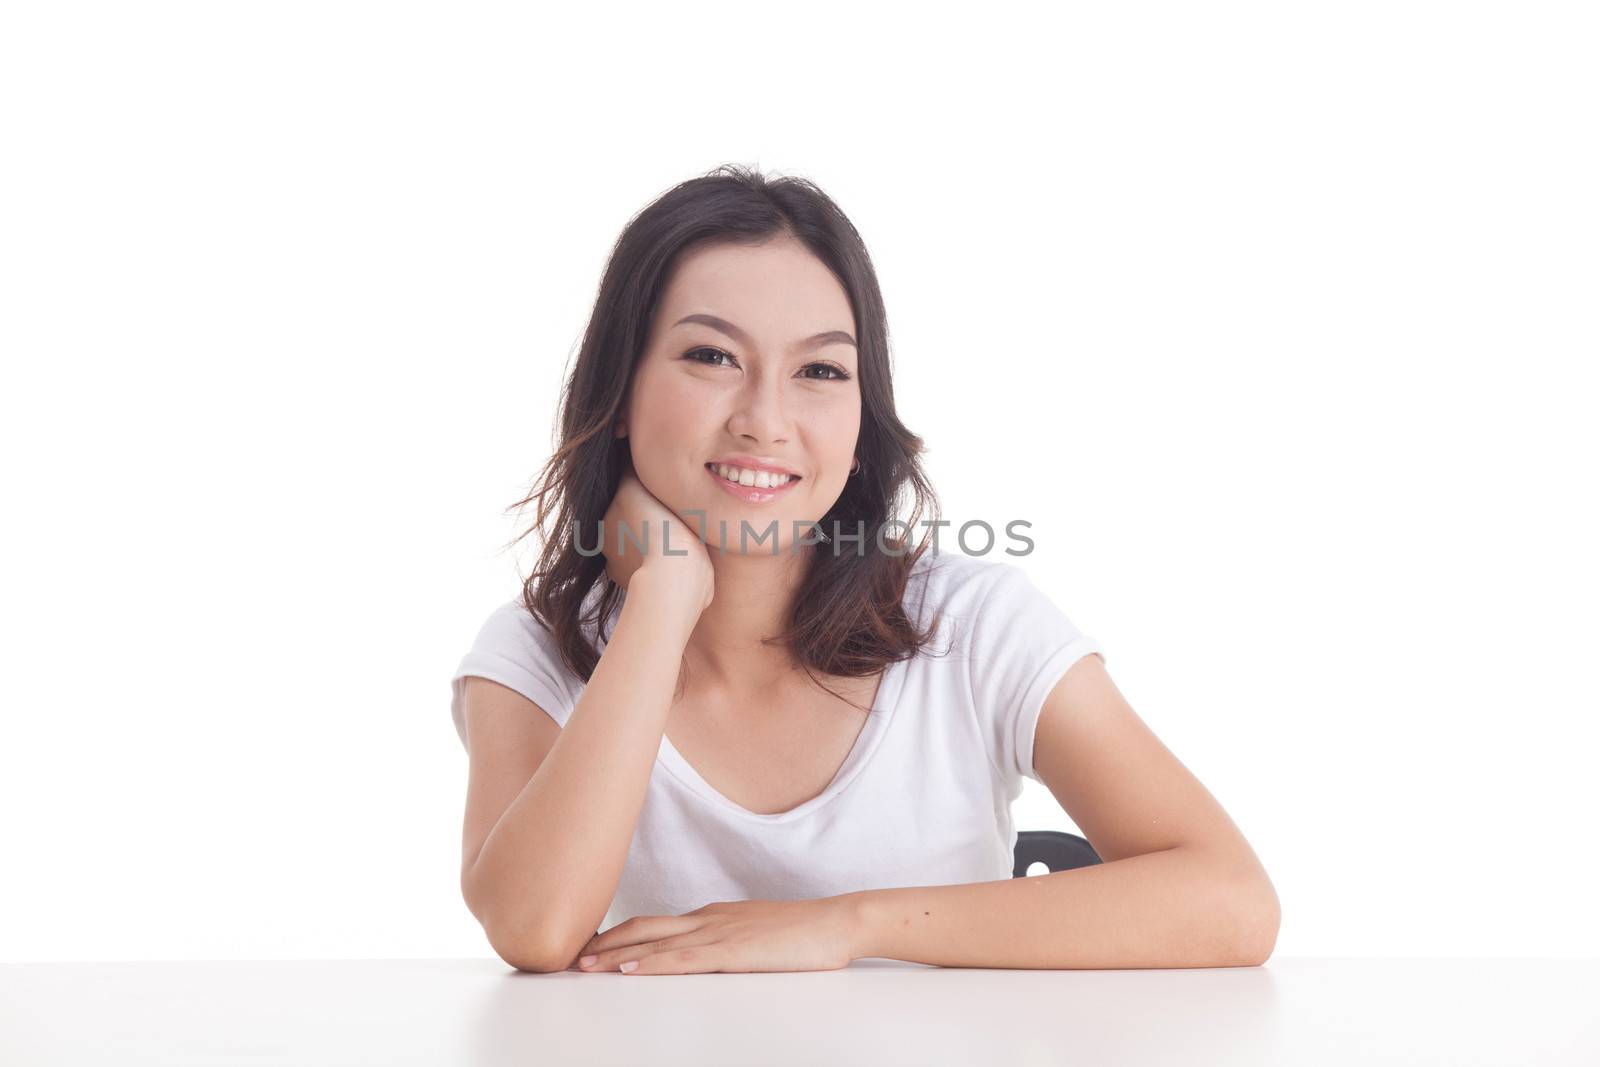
514,648
512,630
988,603
958,584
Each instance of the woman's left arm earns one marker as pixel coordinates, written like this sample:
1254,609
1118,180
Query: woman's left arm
1178,907
1179,886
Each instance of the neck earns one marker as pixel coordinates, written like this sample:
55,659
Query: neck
754,593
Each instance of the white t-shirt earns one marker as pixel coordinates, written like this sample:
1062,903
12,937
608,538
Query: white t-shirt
924,797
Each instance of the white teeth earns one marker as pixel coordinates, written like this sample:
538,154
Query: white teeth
757,479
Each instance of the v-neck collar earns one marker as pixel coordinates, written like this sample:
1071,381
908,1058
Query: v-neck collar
872,733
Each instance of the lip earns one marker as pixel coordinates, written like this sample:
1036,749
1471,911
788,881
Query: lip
756,463
750,494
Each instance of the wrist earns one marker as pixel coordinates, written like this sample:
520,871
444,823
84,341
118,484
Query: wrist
857,913
658,599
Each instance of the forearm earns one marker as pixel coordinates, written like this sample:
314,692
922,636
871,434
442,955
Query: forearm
1175,908
548,870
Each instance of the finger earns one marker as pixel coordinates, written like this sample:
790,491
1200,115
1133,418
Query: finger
695,959
612,959
641,930
635,931
573,966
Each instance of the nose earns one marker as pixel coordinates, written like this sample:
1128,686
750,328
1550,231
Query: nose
760,414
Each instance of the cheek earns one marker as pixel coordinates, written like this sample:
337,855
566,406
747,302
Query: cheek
665,408
834,429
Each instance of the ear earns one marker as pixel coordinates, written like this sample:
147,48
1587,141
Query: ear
621,429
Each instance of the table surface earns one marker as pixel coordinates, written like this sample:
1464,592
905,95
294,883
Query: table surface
480,1011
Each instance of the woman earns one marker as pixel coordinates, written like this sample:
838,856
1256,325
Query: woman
729,740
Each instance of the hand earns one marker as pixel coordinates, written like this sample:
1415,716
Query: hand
743,935
689,576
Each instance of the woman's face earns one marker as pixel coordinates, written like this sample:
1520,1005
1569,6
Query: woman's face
763,374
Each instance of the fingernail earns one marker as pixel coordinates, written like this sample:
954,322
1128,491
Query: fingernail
585,961
630,965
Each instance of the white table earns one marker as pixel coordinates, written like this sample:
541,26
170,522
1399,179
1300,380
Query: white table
444,1012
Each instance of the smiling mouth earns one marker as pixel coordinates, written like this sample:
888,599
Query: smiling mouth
761,481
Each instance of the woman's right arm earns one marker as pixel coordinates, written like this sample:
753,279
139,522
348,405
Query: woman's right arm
546,874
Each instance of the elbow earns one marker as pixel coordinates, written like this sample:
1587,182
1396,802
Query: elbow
528,953
1245,901
1255,951
517,941
533,962
1258,930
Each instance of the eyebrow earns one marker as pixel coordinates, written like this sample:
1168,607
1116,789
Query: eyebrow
827,337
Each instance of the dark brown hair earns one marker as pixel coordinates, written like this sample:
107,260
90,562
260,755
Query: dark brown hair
847,618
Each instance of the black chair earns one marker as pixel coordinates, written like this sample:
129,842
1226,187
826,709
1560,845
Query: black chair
1056,849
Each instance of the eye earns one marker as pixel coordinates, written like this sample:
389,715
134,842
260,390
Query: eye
835,373
831,372
693,353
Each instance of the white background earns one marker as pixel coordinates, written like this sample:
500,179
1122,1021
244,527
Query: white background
1278,321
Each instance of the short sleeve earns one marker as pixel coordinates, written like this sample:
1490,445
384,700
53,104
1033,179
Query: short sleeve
514,649
1021,644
